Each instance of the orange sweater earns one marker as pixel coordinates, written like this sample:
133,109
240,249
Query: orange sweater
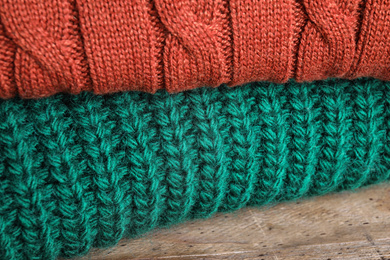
107,46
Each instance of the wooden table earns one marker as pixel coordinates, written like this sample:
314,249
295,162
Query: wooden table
337,226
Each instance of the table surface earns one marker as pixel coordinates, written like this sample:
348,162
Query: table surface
347,225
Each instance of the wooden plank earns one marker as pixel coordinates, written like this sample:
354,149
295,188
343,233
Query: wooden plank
348,225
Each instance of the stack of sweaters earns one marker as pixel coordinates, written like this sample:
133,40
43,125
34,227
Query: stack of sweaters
117,117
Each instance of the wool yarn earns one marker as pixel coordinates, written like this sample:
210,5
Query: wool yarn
84,171
103,46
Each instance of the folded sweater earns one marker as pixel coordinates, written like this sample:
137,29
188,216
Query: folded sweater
84,171
102,46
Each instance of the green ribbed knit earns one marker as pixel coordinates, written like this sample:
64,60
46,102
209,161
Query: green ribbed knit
83,171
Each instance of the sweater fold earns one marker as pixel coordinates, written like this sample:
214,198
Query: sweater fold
85,171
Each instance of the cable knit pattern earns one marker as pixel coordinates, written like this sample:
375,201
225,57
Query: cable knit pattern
55,46
84,171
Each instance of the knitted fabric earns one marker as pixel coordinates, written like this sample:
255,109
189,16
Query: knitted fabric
85,171
103,46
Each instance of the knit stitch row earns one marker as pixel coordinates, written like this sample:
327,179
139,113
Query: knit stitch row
102,46
85,171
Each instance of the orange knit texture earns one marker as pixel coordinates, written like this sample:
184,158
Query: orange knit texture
103,46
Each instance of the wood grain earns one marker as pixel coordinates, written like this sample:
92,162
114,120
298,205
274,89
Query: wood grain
348,225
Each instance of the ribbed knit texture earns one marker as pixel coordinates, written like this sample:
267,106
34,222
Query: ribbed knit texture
104,46
85,171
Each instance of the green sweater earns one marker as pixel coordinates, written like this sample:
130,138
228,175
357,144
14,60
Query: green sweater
85,171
